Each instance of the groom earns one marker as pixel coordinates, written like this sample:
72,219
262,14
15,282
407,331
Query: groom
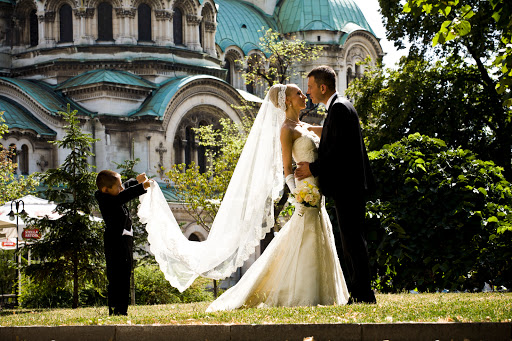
344,174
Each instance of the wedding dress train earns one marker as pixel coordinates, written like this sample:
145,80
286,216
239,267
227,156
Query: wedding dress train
300,266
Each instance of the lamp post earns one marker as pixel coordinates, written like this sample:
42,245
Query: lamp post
17,205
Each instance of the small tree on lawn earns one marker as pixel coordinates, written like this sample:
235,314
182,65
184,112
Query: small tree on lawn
72,246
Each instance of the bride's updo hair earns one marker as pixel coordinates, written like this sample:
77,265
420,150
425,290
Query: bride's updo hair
277,95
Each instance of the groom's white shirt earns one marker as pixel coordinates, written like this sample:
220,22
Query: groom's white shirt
330,100
327,106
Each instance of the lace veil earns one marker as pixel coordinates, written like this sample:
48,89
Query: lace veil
244,217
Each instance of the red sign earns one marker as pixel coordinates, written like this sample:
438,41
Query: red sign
8,243
31,234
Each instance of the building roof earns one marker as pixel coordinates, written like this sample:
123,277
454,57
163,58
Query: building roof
313,15
106,76
240,24
45,95
168,192
17,117
157,102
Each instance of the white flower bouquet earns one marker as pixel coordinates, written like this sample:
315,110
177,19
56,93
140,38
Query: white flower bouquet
307,195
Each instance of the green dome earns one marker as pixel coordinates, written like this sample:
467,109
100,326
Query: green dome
313,15
238,25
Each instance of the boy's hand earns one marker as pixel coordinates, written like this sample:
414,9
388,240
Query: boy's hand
142,178
147,184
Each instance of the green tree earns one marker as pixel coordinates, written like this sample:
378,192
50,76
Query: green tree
7,271
420,22
276,65
72,246
442,99
13,186
441,218
458,23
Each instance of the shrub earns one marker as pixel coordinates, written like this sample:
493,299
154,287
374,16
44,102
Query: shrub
151,287
48,294
440,218
42,294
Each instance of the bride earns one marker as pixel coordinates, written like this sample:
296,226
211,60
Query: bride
300,266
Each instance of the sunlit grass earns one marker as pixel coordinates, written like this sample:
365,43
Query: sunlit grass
438,307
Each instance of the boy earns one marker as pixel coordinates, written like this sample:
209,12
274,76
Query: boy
112,195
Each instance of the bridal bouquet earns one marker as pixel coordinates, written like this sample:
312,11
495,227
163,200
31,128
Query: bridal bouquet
307,195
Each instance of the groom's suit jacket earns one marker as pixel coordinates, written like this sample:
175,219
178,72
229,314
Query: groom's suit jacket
342,165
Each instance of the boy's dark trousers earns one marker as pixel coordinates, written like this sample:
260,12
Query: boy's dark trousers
119,258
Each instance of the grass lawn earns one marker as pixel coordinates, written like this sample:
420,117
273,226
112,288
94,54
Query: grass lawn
438,307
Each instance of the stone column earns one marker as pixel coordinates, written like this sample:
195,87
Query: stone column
50,31
124,16
41,23
85,17
192,35
209,39
164,36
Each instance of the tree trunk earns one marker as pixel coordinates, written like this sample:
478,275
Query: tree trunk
75,280
132,287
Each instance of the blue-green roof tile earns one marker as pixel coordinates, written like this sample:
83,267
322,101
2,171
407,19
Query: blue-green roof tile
106,76
17,117
46,95
157,102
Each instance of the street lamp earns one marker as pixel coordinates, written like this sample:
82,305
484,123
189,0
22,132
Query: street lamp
11,214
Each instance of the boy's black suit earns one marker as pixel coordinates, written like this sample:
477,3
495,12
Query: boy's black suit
344,174
118,248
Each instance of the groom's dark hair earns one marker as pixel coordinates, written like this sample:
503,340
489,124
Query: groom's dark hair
324,75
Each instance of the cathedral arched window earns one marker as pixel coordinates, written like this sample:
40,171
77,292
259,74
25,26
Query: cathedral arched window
201,153
34,29
23,160
194,238
350,76
177,145
229,75
105,22
12,155
66,24
177,26
144,22
201,35
252,64
189,148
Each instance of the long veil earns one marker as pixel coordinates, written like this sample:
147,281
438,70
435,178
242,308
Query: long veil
244,217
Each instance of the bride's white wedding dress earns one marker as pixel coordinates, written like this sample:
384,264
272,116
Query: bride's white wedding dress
300,266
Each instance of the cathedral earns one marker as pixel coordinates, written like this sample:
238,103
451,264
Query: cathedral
143,73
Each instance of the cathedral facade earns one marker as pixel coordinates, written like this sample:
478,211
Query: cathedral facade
143,73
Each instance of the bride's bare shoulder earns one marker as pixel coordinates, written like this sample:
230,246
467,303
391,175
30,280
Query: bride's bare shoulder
290,132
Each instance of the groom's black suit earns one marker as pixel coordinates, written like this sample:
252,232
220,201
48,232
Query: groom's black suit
344,174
